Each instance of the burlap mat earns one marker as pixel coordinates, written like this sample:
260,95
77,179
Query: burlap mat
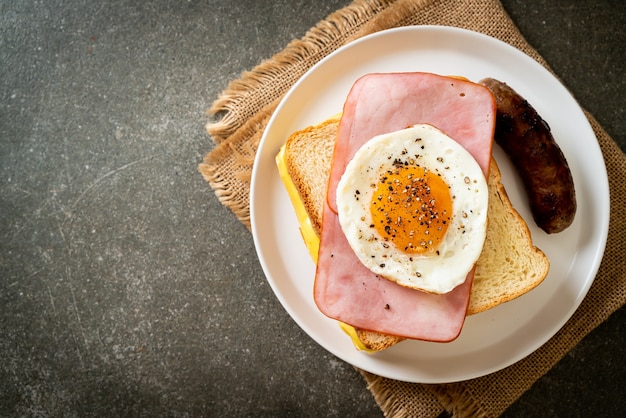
242,111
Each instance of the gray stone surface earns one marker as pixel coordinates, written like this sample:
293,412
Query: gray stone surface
126,288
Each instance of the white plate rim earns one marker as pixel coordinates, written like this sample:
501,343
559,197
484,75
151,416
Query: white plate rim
398,363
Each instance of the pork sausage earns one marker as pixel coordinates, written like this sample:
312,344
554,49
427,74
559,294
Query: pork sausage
526,138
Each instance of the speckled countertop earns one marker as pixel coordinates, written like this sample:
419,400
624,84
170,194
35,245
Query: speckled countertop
126,288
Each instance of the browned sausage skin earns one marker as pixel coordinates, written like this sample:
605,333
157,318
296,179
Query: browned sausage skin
526,138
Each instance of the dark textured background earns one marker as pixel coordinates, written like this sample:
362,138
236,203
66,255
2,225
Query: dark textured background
126,288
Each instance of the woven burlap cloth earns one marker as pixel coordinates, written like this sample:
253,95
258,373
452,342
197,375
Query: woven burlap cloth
240,114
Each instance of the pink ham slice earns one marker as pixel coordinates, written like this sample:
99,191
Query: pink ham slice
347,291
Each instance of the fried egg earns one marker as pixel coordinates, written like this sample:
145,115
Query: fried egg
413,207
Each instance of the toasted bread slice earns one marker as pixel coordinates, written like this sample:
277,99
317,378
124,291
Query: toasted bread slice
309,155
509,265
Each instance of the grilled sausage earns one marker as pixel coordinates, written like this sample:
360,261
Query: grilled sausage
526,138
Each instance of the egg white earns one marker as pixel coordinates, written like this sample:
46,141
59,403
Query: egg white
438,272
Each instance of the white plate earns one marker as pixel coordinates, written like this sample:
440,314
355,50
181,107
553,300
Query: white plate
493,339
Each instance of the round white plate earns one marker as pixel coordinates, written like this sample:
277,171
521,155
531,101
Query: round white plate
490,340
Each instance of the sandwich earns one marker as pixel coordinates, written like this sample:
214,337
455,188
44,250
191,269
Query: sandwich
379,288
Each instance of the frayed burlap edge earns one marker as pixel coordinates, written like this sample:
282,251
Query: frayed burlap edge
256,89
222,166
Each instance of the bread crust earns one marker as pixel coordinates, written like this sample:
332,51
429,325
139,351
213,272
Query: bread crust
308,156
509,265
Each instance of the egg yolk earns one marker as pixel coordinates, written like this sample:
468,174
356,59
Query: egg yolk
411,207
